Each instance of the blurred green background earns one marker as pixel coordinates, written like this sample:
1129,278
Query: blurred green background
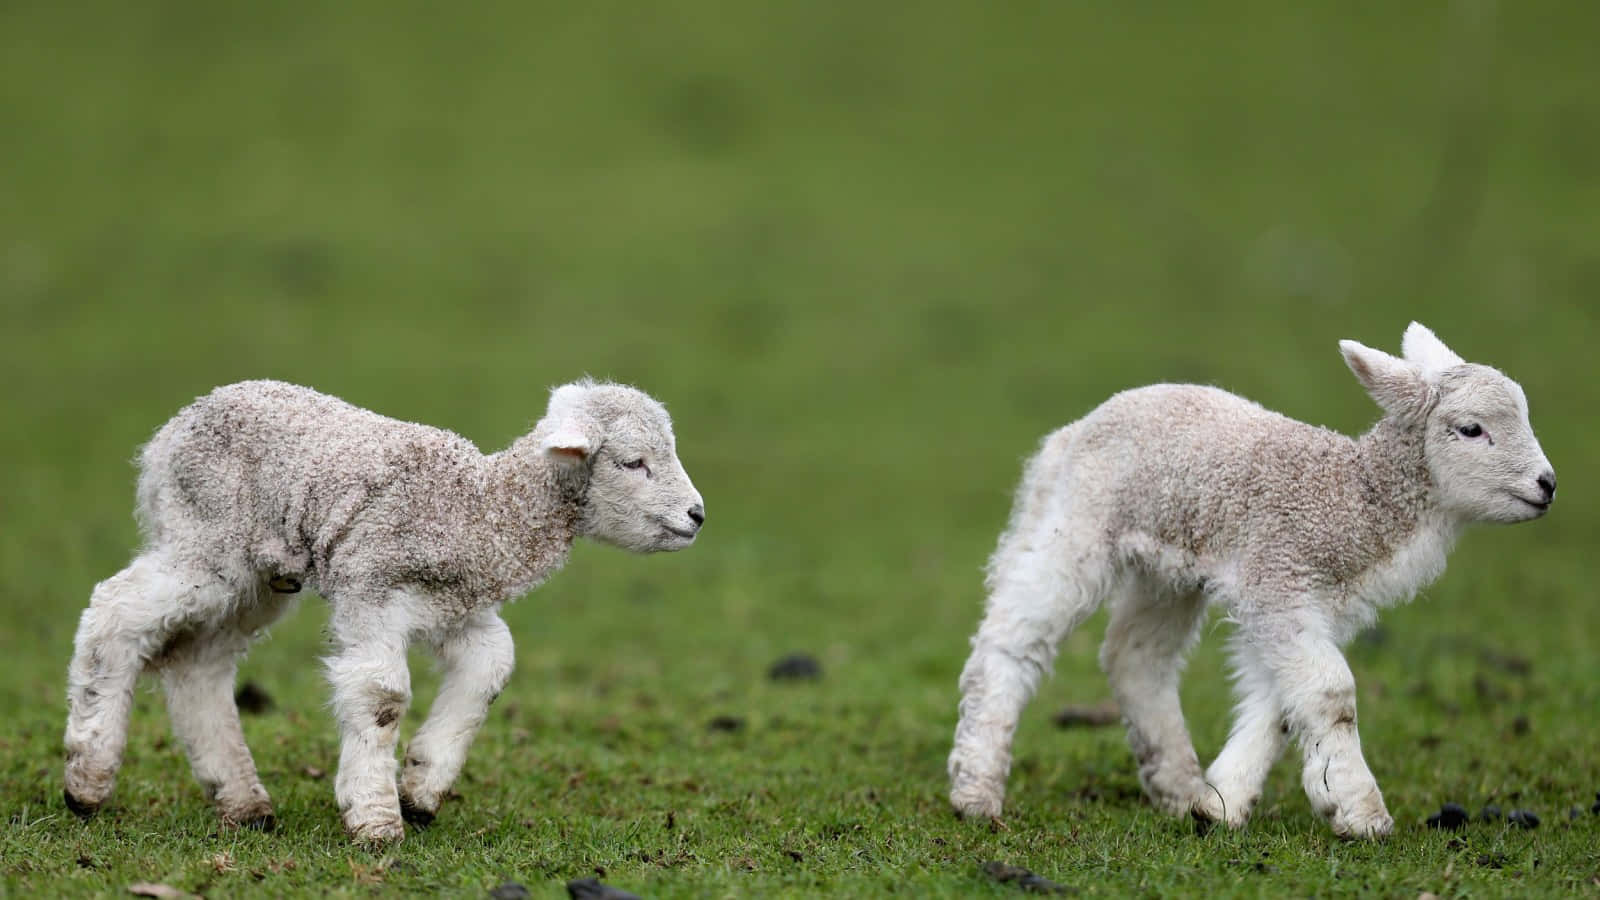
868,254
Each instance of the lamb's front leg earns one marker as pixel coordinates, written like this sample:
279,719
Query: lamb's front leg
1318,696
1235,779
477,660
371,690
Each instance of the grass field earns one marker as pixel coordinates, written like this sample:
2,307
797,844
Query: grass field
868,254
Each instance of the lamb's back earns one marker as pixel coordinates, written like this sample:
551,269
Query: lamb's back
277,462
1200,469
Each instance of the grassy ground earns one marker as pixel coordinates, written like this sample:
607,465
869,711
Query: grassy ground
869,254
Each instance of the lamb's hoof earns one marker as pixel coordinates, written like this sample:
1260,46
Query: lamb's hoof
265,823
386,831
973,802
84,811
416,815
1366,827
1211,808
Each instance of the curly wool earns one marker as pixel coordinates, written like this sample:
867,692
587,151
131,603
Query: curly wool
306,487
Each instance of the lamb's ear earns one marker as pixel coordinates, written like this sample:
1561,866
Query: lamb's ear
1424,348
1395,384
567,444
571,434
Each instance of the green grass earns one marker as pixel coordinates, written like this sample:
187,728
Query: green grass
868,254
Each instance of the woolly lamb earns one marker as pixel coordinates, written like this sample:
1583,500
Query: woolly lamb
1169,498
409,532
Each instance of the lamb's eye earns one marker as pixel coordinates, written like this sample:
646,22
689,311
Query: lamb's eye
1470,431
633,464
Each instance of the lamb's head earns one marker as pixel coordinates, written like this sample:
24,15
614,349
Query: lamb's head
1479,447
618,443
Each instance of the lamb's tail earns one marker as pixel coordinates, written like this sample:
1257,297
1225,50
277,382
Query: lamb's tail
161,487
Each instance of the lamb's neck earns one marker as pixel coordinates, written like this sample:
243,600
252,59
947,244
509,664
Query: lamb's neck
1395,485
1399,512
532,510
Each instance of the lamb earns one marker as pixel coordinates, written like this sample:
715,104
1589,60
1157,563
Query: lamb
1170,498
261,488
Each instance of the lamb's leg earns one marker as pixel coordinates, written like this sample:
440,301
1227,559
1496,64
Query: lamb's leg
131,616
1143,656
1318,695
1035,600
198,673
371,690
1235,779
477,660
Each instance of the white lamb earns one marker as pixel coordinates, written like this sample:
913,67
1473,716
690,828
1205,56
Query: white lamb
409,532
1169,498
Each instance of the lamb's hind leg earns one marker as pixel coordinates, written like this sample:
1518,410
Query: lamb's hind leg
1036,598
477,660
131,617
1151,630
198,673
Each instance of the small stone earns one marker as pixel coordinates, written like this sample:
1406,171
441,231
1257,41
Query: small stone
725,723
1035,884
252,700
1450,816
1491,813
795,667
1522,818
1097,716
510,890
595,889
162,891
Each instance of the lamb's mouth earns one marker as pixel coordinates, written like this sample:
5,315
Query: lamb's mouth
1542,507
685,533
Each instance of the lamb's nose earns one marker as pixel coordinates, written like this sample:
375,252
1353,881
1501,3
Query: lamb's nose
698,514
1547,483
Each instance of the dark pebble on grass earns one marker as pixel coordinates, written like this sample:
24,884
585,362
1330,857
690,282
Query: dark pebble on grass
1596,807
1450,816
1006,873
252,700
795,667
1491,813
726,723
1098,716
510,891
1508,662
595,889
1522,818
